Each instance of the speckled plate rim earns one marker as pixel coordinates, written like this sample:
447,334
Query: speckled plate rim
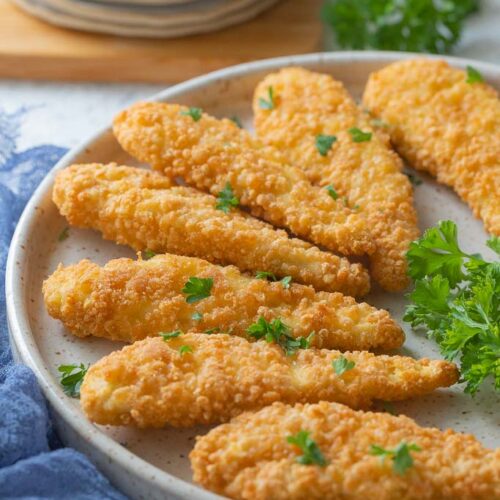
19,327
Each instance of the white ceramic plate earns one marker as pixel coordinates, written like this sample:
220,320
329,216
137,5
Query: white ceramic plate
153,464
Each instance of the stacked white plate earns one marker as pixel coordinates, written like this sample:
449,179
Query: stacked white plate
146,18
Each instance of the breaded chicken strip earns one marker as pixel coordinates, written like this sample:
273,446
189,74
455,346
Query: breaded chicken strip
365,174
209,153
129,300
141,209
444,125
154,382
250,458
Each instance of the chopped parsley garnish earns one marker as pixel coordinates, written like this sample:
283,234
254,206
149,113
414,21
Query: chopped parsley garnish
63,235
401,457
473,75
311,454
148,254
457,299
197,289
170,335
72,378
226,199
410,25
324,143
332,192
359,136
237,121
197,316
265,275
215,329
194,113
184,349
342,364
268,103
279,333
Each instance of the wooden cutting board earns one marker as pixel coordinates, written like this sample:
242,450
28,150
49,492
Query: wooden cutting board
32,49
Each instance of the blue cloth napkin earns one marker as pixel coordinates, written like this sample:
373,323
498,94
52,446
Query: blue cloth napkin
32,463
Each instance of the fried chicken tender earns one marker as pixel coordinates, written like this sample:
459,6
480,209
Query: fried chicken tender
129,300
209,153
445,126
250,458
365,174
141,209
152,384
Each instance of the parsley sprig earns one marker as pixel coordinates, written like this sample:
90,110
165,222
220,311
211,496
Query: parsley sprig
359,136
226,200
400,456
277,332
266,275
166,336
473,75
185,349
270,102
332,192
457,299
410,25
194,113
72,378
311,454
197,289
342,365
324,143
148,254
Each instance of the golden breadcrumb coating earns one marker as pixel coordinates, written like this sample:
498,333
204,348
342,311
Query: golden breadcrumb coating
209,153
139,208
129,300
367,174
249,458
445,126
152,384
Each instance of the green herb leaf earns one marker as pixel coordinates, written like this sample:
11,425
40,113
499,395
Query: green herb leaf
401,457
215,329
360,136
324,143
279,333
410,25
342,364
494,244
63,235
226,199
197,316
286,281
311,454
148,254
332,192
184,349
194,113
265,275
268,103
72,378
237,121
473,75
197,289
170,335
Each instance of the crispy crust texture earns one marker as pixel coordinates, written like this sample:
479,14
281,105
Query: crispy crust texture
151,384
369,174
250,458
208,153
141,209
129,300
445,126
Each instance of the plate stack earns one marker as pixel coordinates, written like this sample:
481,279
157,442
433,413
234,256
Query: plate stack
145,18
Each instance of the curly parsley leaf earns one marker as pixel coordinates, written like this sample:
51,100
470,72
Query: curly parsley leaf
400,456
473,75
331,191
197,289
194,113
457,300
286,281
342,364
277,332
166,336
266,275
72,378
185,349
410,25
359,136
226,200
270,102
324,143
311,454
494,244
